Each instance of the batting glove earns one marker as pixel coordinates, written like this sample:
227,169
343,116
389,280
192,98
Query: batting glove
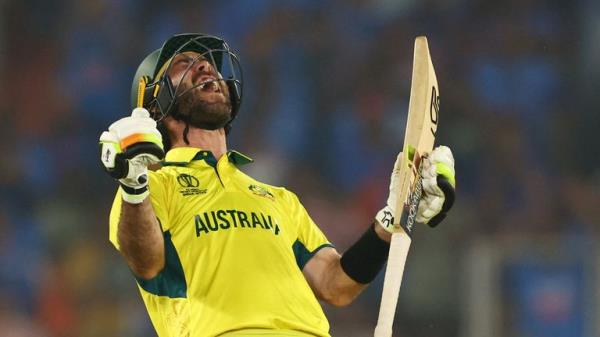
127,148
438,180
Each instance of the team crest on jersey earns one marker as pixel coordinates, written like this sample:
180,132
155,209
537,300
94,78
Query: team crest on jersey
189,185
261,191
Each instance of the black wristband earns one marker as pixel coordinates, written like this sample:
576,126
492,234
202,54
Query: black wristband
365,258
134,191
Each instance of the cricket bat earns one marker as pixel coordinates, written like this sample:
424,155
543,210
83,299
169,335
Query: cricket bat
421,127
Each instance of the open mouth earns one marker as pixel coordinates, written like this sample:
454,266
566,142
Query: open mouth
209,84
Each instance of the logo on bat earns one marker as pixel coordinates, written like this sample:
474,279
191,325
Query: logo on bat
434,109
388,219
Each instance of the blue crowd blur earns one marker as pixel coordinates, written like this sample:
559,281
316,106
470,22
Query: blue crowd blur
325,96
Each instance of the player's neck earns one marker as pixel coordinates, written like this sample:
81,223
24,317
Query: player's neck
209,140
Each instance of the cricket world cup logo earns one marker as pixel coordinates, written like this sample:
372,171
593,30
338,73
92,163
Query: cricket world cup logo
186,180
189,185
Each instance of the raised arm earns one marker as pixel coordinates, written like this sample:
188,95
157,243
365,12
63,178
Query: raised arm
127,148
339,279
140,239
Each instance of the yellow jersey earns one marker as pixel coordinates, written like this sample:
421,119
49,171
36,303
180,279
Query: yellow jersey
234,249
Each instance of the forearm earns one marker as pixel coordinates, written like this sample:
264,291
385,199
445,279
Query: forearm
361,263
140,239
343,290
328,281
339,280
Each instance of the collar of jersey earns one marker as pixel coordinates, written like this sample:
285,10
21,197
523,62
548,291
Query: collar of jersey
182,156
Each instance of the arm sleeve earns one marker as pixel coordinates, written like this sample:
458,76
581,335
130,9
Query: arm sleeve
158,198
310,238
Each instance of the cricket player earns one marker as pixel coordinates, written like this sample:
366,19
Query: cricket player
214,251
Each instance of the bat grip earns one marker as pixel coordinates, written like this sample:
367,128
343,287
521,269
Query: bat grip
391,285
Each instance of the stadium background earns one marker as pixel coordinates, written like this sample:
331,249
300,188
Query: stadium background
326,89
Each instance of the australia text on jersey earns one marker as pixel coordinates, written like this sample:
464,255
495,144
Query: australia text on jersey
230,218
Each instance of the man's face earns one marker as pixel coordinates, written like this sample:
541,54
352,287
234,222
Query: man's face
202,97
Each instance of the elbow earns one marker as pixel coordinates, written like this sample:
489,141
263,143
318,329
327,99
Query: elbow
339,300
340,303
146,266
146,273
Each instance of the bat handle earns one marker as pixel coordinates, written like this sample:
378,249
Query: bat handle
391,285
383,331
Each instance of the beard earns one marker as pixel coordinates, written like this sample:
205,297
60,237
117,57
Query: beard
200,113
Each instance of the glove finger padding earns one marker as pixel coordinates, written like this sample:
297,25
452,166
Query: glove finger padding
438,181
111,155
130,145
438,186
137,128
449,196
393,181
147,153
116,162
385,217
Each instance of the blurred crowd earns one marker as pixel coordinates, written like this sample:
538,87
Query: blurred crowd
326,87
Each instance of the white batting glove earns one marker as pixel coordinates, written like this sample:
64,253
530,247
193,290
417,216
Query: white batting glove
438,179
127,148
439,183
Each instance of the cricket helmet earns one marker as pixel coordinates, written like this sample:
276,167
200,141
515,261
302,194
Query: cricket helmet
153,89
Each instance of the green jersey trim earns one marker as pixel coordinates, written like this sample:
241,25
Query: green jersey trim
303,255
170,281
239,158
233,156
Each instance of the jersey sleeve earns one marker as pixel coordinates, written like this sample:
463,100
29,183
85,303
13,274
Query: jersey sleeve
158,198
310,238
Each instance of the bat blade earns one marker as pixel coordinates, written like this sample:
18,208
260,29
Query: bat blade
419,137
